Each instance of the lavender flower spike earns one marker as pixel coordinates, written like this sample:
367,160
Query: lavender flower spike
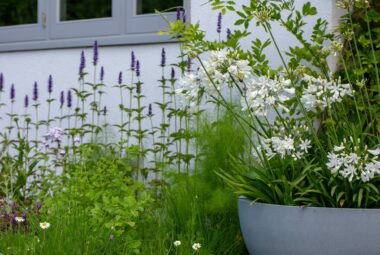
1,82
26,101
173,73
228,33
179,12
50,84
138,68
35,91
95,53
219,23
183,15
102,73
13,92
62,99
133,61
150,111
120,79
163,57
189,64
69,99
82,64
105,110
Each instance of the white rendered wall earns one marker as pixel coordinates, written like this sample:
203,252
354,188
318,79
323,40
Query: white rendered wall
23,68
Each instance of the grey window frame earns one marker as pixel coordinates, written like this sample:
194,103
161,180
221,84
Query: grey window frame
26,32
123,28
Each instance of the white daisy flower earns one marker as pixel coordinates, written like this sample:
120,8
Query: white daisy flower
177,243
196,246
44,225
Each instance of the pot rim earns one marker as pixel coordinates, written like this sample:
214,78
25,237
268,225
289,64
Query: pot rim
243,198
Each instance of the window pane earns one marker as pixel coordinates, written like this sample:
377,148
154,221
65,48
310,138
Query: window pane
85,9
18,12
149,6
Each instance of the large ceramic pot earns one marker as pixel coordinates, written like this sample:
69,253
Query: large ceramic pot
290,230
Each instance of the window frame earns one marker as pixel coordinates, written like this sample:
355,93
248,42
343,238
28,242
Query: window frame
26,32
124,28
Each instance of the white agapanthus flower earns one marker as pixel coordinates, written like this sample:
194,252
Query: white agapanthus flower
264,93
190,90
319,93
196,246
352,163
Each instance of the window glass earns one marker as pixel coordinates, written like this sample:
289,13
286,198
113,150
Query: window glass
18,12
85,9
149,6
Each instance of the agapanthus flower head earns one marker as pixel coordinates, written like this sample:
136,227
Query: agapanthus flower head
55,134
102,73
172,74
50,84
196,246
44,225
69,99
219,23
82,63
133,61
138,68
163,57
95,50
13,92
35,91
62,99
26,101
120,78
1,82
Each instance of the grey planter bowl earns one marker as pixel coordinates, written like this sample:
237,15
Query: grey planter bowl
276,229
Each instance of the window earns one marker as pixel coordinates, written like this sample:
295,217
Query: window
40,24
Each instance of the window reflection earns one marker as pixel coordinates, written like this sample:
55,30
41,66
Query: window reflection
149,6
18,12
85,9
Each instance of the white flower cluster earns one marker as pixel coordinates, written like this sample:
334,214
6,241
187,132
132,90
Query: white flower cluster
263,93
190,90
286,142
320,93
348,161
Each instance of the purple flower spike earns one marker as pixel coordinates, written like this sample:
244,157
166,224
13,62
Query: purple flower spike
183,15
102,73
133,61
179,12
13,92
82,64
138,68
95,53
120,79
150,111
219,24
189,64
105,110
172,73
50,84
35,91
69,99
1,82
26,101
62,99
38,206
163,57
228,33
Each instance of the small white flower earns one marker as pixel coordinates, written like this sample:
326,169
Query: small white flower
177,243
44,225
19,219
196,246
305,145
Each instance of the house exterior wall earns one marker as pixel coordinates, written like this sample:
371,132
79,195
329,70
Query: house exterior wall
24,67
